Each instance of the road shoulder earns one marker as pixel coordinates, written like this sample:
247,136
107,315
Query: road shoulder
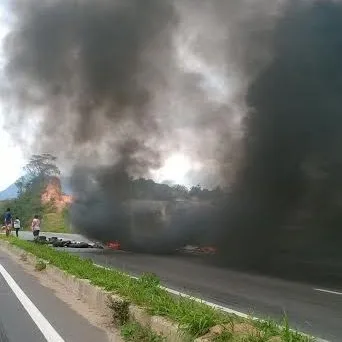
76,319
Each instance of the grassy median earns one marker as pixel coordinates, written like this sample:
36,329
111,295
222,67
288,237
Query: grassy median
193,317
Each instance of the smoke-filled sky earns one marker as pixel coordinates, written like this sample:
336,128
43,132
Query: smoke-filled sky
81,80
239,93
167,77
8,148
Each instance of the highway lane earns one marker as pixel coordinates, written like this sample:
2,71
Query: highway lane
31,312
15,323
310,308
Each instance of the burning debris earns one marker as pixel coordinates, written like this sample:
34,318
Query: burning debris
59,243
197,250
115,245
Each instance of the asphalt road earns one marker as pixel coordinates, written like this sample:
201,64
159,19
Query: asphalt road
310,308
31,312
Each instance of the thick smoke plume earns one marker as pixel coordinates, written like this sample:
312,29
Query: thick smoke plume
115,86
252,89
86,73
287,198
83,65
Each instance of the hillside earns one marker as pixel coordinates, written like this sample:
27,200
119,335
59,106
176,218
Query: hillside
47,200
56,205
9,193
12,192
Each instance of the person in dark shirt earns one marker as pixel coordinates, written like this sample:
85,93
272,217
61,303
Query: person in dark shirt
8,221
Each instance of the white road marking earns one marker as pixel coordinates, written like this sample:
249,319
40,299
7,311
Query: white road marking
329,291
42,323
225,309
213,305
181,294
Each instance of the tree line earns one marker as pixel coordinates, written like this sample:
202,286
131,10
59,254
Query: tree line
148,189
40,168
30,186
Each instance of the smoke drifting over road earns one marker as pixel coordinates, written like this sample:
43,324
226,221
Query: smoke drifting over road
116,86
291,177
252,89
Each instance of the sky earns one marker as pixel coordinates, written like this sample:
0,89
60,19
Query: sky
9,150
177,165
11,153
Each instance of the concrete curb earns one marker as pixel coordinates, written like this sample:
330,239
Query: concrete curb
99,299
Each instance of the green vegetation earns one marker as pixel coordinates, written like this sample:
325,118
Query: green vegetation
226,335
120,311
38,172
55,222
26,205
29,204
40,265
147,189
194,318
134,332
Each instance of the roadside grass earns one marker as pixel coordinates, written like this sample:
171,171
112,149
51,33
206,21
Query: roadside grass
134,332
194,318
40,266
55,222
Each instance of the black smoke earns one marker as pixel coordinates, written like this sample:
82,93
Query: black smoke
91,74
286,202
86,80
86,73
87,66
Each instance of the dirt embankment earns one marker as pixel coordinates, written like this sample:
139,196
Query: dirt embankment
53,194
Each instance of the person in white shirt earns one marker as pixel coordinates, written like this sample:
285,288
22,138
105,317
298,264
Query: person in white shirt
35,227
16,225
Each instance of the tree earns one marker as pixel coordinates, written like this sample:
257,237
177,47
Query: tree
20,184
180,191
37,172
42,166
195,191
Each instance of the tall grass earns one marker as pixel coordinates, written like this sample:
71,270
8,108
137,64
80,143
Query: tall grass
193,317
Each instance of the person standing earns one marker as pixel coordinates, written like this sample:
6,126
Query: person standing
35,227
17,226
8,221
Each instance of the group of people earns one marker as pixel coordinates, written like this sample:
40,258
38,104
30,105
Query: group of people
15,224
